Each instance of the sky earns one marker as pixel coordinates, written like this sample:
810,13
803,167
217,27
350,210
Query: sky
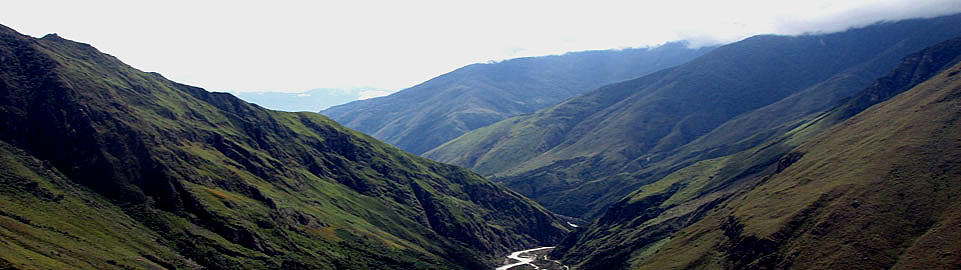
384,46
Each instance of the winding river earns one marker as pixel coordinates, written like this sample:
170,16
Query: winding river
527,259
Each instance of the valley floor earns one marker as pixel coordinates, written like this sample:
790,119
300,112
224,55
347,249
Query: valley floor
535,258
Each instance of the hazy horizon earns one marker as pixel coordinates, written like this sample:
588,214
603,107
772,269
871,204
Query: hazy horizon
298,47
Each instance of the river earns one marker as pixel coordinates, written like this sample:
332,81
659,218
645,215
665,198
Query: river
522,258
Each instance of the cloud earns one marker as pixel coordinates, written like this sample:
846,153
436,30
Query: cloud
843,15
366,94
303,95
292,46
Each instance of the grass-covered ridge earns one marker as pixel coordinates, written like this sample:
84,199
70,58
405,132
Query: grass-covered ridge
876,191
586,153
426,115
225,184
815,180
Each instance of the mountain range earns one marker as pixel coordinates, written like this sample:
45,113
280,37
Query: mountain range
424,116
815,151
580,156
105,166
871,183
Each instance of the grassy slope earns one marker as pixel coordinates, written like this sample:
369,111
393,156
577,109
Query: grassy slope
580,156
231,185
424,116
635,229
50,222
745,130
876,191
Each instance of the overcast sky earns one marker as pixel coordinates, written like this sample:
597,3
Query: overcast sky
293,46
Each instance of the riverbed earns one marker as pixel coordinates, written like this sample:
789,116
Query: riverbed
535,258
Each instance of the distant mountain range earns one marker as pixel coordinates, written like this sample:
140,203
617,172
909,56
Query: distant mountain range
309,101
103,166
422,117
580,156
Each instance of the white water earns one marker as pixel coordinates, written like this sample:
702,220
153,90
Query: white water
522,260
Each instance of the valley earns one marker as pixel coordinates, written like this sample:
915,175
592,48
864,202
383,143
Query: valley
204,179
535,258
833,149
579,157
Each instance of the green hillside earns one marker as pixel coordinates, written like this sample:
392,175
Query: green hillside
50,222
424,116
105,166
580,156
811,212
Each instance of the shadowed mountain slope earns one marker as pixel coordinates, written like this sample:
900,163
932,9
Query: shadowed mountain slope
578,157
422,117
50,222
873,191
181,177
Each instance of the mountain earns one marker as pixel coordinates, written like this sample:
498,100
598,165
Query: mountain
582,155
105,166
308,101
424,116
50,222
870,184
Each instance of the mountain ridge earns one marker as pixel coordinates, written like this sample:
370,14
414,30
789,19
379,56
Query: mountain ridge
604,143
226,184
635,230
421,117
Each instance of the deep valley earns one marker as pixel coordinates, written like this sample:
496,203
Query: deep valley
822,150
